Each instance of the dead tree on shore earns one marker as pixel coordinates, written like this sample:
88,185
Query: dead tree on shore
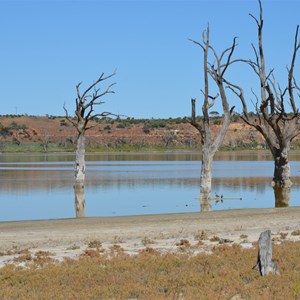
277,117
210,143
84,114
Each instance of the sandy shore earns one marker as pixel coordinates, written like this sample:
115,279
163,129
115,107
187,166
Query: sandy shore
70,237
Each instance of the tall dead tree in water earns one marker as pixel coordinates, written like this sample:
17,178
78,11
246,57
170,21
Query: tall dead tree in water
277,117
84,113
211,143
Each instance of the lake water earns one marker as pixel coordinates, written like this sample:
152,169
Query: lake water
41,186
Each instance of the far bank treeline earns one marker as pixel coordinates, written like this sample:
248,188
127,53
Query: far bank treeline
23,133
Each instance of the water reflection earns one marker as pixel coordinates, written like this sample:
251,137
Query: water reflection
35,189
282,196
262,155
207,200
79,200
205,203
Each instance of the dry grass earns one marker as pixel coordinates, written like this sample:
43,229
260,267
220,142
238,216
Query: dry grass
295,232
147,241
152,275
95,244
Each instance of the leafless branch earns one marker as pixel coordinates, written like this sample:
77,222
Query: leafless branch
86,102
268,76
197,43
196,124
210,105
231,49
100,79
291,71
238,91
67,115
257,64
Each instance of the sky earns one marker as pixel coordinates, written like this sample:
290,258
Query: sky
47,47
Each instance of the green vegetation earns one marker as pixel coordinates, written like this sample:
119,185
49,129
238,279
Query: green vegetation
14,126
225,274
4,131
33,147
107,127
122,146
63,122
155,123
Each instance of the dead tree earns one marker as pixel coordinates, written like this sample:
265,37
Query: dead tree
210,143
84,114
45,139
265,264
277,118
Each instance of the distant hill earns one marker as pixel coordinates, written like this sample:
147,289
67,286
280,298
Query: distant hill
50,133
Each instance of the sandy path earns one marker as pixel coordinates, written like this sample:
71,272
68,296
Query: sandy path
69,237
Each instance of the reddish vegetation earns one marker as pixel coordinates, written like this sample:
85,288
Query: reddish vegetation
163,133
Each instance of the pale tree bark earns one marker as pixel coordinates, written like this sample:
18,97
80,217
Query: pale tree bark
79,199
277,125
80,158
265,263
80,176
84,113
210,143
45,139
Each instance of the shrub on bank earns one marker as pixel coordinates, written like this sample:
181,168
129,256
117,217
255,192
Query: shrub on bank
225,274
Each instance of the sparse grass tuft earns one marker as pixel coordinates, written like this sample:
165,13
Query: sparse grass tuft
201,236
23,258
295,232
283,235
14,251
95,244
215,239
147,241
91,253
118,240
42,261
149,250
116,249
184,243
43,253
73,247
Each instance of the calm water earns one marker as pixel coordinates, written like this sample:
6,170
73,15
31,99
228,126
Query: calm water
41,186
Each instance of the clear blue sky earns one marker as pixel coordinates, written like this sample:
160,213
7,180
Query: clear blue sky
47,47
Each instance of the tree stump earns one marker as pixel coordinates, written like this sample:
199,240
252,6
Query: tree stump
265,264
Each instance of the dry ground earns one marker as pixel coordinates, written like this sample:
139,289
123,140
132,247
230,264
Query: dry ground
70,237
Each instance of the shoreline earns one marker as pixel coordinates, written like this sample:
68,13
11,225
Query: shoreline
71,237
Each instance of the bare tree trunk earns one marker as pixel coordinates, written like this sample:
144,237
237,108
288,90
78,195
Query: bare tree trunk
281,181
80,158
45,140
80,176
206,174
282,170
